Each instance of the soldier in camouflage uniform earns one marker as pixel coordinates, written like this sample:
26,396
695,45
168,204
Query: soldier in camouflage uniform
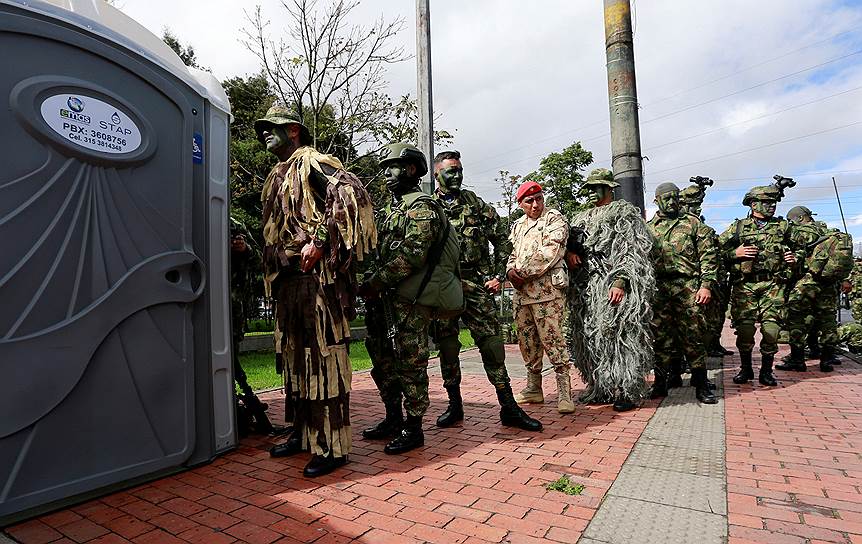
416,276
691,202
476,224
811,301
685,261
853,287
759,250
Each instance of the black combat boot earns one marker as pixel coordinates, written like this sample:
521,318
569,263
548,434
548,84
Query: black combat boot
410,438
766,376
746,373
390,426
813,350
659,385
724,350
455,411
624,404
701,386
827,356
320,465
796,360
292,446
674,378
511,415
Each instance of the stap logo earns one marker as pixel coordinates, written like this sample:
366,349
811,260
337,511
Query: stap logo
75,104
115,118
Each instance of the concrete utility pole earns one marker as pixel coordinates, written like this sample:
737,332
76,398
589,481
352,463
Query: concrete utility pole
623,101
424,102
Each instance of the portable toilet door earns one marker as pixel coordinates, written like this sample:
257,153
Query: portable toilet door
114,321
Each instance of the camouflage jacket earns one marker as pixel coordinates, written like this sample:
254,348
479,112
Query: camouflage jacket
538,249
477,223
772,237
684,247
804,236
855,279
405,238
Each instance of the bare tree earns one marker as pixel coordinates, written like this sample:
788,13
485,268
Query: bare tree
331,72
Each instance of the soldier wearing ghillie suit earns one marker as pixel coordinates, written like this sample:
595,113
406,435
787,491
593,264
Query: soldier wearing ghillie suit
417,279
760,251
715,312
685,260
611,297
317,223
537,271
476,224
826,262
853,287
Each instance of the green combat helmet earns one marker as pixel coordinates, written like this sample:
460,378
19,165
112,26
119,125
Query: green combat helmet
762,192
279,116
798,212
692,195
601,176
407,152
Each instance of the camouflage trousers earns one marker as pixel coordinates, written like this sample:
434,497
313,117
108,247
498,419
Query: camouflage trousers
401,370
811,305
715,313
382,353
540,331
678,324
754,302
480,318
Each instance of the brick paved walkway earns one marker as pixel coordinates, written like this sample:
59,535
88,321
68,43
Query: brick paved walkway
793,473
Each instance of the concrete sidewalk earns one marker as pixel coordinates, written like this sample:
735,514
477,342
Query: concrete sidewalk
791,473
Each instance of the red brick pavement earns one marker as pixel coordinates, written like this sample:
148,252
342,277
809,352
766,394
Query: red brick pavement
480,482
794,471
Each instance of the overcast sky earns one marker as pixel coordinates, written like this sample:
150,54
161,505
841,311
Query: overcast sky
737,90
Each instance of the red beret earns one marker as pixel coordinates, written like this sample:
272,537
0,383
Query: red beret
526,189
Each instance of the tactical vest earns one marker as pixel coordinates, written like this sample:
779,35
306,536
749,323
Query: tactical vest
465,216
770,241
443,289
678,251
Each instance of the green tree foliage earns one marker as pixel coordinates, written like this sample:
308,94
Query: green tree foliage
561,175
186,53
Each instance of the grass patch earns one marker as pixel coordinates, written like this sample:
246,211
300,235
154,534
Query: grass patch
259,366
564,485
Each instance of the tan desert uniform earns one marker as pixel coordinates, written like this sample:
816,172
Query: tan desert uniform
539,307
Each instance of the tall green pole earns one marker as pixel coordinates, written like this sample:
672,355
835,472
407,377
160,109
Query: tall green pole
623,101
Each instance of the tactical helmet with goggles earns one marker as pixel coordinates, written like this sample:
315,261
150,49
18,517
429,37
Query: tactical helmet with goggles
692,194
403,151
768,193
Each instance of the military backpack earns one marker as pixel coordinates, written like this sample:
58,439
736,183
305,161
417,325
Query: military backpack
831,256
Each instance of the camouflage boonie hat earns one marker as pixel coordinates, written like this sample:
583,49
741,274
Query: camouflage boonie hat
601,176
278,116
692,195
666,187
762,192
799,211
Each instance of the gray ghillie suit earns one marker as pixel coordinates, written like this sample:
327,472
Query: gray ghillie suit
611,346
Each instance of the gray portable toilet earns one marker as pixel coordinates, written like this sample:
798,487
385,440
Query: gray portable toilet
115,363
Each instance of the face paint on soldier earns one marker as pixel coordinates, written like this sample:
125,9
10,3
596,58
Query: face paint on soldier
668,204
400,176
599,195
533,205
450,175
282,140
763,209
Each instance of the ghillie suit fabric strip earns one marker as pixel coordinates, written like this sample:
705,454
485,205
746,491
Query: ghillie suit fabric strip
611,346
308,196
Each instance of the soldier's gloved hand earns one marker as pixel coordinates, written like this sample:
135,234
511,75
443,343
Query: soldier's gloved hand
703,296
746,252
789,257
846,287
616,295
573,260
516,279
493,286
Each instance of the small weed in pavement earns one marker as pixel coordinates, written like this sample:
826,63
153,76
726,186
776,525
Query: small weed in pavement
564,485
